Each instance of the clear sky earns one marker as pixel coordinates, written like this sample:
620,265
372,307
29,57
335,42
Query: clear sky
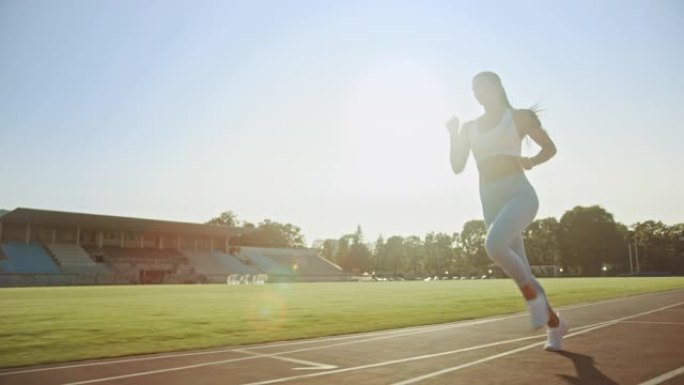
329,114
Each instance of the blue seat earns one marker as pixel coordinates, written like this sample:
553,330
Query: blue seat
234,265
27,258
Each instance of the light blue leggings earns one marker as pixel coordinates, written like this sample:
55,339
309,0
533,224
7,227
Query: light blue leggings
509,205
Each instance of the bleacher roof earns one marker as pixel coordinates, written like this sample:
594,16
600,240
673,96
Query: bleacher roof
115,223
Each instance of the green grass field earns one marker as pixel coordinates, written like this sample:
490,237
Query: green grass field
41,325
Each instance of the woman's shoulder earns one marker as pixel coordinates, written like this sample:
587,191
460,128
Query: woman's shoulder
526,117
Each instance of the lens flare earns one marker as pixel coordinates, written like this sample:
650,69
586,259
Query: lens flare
267,313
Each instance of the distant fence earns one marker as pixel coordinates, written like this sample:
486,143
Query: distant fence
11,280
309,278
19,280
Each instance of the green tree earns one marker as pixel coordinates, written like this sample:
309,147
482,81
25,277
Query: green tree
414,253
656,243
226,218
677,237
471,240
396,254
359,254
439,253
541,242
589,237
378,255
445,252
343,251
459,265
271,234
327,249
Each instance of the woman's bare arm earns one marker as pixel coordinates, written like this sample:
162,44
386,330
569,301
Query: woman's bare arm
531,126
460,145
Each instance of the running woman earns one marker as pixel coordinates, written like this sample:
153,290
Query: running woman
509,202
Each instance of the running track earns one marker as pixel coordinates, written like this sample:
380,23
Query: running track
635,340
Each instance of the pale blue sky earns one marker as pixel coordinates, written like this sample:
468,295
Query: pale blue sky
330,114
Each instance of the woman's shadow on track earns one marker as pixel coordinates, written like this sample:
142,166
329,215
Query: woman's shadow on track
587,373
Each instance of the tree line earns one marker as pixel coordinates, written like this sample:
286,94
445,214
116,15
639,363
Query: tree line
585,241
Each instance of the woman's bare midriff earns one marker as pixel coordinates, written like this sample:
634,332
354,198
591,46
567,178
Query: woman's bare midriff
498,167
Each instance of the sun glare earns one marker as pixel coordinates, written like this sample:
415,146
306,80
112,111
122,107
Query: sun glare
395,115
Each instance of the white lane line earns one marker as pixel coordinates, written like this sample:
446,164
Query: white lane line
664,377
416,358
586,328
392,362
382,336
310,365
177,368
139,374
121,361
490,358
652,322
385,333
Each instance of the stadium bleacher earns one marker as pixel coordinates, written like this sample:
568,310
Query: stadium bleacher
41,247
205,263
299,264
216,266
73,259
213,262
144,256
149,265
234,265
27,258
254,256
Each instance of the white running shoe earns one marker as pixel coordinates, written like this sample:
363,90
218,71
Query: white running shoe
555,335
539,311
